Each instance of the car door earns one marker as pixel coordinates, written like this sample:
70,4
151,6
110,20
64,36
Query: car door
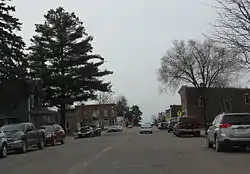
29,134
212,129
59,133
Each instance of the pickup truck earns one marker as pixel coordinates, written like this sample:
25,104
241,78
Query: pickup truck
22,136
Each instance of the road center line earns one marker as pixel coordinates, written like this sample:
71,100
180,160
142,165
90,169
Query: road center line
83,164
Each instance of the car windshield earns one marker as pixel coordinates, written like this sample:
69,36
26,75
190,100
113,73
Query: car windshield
146,125
48,128
236,119
13,127
85,129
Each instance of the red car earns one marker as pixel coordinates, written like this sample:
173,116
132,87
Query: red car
187,126
54,134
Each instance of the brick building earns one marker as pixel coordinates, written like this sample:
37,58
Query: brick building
100,114
206,103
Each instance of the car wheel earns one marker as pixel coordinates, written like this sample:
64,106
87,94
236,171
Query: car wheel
24,147
209,144
63,141
218,146
3,151
53,141
41,143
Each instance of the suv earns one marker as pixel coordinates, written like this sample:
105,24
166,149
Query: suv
187,126
3,145
229,130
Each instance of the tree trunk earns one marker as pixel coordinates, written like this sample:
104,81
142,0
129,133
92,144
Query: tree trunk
63,116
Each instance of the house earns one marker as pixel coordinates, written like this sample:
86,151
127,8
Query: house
20,101
206,103
41,116
14,102
100,114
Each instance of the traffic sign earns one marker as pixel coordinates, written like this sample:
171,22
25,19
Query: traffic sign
179,113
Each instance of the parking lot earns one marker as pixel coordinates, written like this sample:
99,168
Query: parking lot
129,152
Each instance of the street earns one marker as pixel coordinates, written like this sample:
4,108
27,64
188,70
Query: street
128,152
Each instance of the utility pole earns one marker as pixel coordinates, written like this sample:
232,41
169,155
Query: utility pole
203,99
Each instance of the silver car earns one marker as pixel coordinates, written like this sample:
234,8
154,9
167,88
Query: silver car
3,145
229,130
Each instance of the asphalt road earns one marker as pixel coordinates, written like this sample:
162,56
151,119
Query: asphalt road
128,152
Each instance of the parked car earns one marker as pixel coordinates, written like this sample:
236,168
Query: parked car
3,145
53,134
113,129
229,130
120,128
97,130
146,128
171,126
187,125
85,131
163,125
21,136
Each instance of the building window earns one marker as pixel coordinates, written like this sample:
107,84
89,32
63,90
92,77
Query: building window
247,98
200,102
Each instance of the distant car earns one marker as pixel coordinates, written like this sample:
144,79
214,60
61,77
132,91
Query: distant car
163,125
3,145
120,128
187,125
85,131
229,130
130,126
171,126
53,134
146,128
97,130
113,129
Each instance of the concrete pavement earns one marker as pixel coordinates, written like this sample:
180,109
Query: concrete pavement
128,152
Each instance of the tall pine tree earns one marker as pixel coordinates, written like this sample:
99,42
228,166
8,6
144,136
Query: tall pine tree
12,62
61,58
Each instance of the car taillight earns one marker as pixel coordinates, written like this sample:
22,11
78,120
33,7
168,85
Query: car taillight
225,126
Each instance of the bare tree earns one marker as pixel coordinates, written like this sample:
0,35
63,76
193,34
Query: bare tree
105,97
233,26
193,63
122,106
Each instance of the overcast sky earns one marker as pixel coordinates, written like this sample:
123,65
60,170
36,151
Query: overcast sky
132,35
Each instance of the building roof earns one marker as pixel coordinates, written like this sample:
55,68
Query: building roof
42,111
97,105
227,88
